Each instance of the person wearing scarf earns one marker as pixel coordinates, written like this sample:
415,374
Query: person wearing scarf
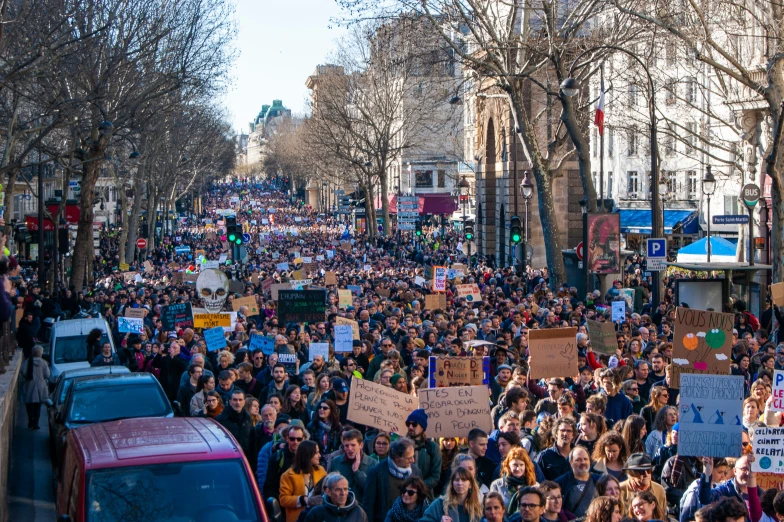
410,506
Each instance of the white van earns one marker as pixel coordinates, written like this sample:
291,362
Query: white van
68,344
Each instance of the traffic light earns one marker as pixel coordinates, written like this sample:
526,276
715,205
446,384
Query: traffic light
418,228
469,230
515,230
233,231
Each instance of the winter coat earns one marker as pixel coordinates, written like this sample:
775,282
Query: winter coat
240,425
329,512
24,338
36,389
196,405
292,487
100,360
436,510
356,480
378,492
428,460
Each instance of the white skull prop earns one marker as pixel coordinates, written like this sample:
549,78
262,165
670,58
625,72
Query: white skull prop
213,286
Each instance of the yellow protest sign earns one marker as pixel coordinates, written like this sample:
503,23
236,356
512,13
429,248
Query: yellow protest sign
211,320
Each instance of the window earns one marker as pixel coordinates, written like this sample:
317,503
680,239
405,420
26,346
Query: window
441,178
691,90
731,205
632,98
595,140
669,146
670,92
691,176
631,183
649,182
691,137
424,179
671,53
610,141
672,183
631,142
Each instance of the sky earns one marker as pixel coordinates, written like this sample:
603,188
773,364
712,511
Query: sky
280,44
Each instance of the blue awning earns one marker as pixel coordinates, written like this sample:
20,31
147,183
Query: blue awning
638,221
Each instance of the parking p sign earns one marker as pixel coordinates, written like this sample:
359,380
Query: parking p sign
657,255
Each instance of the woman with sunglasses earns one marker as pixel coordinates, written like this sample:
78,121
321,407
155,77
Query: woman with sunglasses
322,387
325,428
410,506
460,502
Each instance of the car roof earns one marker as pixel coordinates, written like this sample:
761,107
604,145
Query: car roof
93,370
146,440
73,327
112,379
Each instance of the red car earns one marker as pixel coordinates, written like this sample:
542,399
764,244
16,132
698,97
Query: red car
163,469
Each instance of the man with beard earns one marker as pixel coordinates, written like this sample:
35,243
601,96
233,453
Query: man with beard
353,464
578,484
277,385
428,455
264,431
237,420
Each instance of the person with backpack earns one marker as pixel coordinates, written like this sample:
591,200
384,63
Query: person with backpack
34,389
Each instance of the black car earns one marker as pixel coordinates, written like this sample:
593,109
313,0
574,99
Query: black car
58,396
102,398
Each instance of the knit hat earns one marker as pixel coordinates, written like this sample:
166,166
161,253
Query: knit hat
393,380
675,426
282,419
419,416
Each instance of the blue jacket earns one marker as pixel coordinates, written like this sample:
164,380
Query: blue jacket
709,495
618,407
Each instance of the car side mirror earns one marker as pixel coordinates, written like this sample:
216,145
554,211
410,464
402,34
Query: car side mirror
49,403
177,408
64,518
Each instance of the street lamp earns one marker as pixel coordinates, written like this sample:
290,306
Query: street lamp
324,187
708,187
570,87
586,270
463,187
527,191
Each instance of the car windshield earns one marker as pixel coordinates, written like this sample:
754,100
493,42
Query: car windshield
181,492
109,402
73,349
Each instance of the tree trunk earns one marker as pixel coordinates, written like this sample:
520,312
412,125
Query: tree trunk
384,201
152,215
83,249
124,229
773,168
582,148
9,202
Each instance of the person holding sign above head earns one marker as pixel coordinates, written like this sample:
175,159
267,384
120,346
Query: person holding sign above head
742,486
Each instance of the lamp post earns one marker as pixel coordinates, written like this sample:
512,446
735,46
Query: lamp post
527,191
324,188
586,270
708,186
463,186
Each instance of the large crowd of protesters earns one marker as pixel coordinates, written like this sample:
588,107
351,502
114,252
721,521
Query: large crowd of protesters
600,445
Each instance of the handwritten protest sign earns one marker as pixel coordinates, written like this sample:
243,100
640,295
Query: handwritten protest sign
711,409
319,349
448,371
435,301
330,278
701,342
345,299
353,324
470,292
768,444
344,338
778,391
178,315
282,267
453,412
135,313
124,267
130,325
355,290
211,320
276,288
306,306
215,339
263,343
618,311
553,352
377,406
602,336
250,302
768,481
439,279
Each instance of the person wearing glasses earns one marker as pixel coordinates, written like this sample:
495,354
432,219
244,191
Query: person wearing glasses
532,504
325,427
282,458
410,506
459,503
631,389
428,454
385,345
639,470
385,480
742,485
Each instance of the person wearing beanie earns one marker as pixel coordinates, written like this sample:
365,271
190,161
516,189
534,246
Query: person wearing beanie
427,452
399,383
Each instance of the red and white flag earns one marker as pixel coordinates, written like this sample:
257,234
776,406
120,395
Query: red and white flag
599,118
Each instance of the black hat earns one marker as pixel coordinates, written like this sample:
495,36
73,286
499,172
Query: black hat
282,419
638,462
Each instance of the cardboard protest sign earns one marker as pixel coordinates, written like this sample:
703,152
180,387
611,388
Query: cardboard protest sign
777,294
354,327
330,278
276,288
435,301
355,290
383,292
344,338
553,352
254,278
263,343
768,444
266,285
711,409
602,336
470,292
135,313
446,371
310,267
178,315
778,391
302,306
190,278
701,342
377,406
19,315
211,320
439,279
345,299
250,302
282,267
768,481
453,412
215,338
129,276
618,311
318,349
130,325
148,266
124,267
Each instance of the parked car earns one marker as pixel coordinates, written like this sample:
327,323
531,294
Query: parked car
68,345
102,398
57,397
183,469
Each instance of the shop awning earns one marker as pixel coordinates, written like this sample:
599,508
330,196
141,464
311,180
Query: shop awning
638,221
443,203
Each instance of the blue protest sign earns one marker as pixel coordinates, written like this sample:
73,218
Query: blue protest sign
215,338
260,342
130,325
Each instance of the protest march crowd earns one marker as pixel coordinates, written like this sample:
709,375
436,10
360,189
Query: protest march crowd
397,380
